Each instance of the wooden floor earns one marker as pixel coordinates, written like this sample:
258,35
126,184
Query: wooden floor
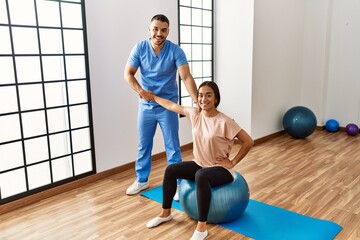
318,176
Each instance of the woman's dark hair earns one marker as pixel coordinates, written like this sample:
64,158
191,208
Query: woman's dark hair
161,18
214,87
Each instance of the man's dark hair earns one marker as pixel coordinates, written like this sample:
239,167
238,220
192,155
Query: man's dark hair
160,17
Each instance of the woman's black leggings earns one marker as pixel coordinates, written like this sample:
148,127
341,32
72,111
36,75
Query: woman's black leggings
204,178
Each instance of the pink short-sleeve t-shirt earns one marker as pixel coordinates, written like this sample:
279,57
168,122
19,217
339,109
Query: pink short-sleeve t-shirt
212,136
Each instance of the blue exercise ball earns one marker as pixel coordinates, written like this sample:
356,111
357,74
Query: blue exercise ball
332,125
228,201
299,122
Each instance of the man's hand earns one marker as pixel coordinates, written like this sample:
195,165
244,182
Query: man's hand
147,95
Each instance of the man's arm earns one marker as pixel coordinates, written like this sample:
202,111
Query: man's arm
129,76
187,78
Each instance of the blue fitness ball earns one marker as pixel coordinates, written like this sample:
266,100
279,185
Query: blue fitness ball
332,125
228,201
299,122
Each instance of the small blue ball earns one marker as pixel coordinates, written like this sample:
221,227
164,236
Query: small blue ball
332,125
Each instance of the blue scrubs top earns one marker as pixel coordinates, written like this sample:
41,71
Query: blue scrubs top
158,73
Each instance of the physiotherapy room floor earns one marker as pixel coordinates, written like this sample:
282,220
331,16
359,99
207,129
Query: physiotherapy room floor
318,176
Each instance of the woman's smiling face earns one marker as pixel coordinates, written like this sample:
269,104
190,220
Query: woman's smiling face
206,98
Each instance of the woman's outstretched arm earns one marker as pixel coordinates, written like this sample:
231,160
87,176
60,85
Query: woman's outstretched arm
170,105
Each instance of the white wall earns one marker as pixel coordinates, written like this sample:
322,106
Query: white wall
113,28
315,54
343,82
278,40
233,58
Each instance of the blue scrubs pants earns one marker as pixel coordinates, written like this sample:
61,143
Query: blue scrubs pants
148,118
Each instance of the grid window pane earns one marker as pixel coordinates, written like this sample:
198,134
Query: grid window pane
81,139
51,41
12,183
207,68
3,12
22,12
74,41
82,162
196,3
71,15
6,70
62,168
187,50
207,52
196,34
10,128
30,46
5,43
31,96
11,156
36,150
207,18
33,123
197,52
185,14
55,94
77,92
60,144
185,2
28,69
207,4
48,13
58,119
8,96
79,116
53,68
75,66
185,36
197,69
207,35
39,175
196,16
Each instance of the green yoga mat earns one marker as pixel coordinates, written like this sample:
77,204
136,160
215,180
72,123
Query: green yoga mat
262,221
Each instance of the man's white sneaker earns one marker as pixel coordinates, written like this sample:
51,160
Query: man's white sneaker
137,187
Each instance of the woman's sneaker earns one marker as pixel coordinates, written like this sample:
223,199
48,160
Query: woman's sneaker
137,187
157,221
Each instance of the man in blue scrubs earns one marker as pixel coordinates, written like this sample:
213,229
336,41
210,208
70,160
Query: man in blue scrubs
159,61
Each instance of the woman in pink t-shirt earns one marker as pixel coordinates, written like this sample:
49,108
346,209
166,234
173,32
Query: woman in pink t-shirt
213,137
